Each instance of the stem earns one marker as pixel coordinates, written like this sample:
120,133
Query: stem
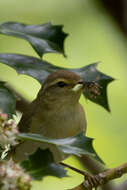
104,177
113,173
74,169
95,168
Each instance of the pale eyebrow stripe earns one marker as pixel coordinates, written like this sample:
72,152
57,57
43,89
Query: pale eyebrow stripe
59,80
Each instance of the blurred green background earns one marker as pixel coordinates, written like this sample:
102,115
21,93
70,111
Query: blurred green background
93,37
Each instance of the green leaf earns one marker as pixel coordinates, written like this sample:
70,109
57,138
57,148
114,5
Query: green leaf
41,164
90,73
44,38
28,65
40,69
76,145
7,100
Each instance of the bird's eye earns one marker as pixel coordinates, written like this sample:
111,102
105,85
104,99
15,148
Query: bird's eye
61,84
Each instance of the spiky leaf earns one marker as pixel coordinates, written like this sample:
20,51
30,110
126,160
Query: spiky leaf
41,164
76,145
44,38
7,100
40,69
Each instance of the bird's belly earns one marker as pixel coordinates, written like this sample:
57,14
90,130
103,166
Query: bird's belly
62,130
58,127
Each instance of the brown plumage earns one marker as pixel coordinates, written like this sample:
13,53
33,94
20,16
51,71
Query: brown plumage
63,74
55,113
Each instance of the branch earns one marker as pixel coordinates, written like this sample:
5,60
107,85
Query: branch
95,168
74,169
103,177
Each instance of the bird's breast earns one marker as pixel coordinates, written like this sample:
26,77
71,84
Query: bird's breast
59,123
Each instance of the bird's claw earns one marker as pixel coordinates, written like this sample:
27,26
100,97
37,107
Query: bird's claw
91,181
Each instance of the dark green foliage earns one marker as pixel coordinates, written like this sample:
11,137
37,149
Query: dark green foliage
91,74
76,145
44,38
41,164
7,100
40,69
47,38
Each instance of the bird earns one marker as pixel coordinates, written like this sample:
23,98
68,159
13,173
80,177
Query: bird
55,113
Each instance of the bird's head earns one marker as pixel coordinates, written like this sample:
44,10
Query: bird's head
62,86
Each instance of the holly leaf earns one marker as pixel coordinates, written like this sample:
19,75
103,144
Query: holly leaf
44,38
32,66
7,100
41,164
77,145
100,82
40,69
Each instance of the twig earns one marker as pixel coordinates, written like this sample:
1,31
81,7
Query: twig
113,173
90,180
74,169
104,177
95,168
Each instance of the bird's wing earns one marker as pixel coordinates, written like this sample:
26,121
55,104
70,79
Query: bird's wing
26,119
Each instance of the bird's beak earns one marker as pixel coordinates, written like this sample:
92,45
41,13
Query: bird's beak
78,87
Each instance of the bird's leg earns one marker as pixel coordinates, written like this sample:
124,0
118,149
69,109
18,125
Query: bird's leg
91,181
